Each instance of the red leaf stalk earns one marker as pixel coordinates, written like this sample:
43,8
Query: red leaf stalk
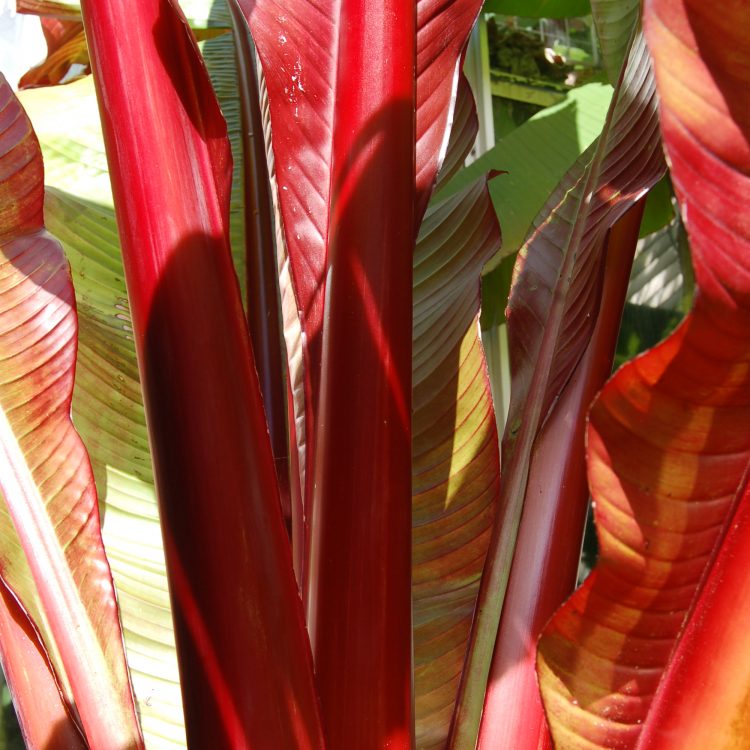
359,603
243,654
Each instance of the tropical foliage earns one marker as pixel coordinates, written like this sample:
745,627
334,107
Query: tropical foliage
251,446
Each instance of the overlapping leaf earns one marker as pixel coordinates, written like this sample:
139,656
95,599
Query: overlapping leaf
237,610
557,274
298,70
108,411
536,156
551,313
455,458
546,561
455,453
306,108
668,439
446,355
107,405
66,46
52,554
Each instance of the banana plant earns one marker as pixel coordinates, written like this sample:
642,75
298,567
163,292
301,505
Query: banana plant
282,515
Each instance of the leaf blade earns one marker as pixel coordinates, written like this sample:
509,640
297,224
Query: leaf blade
56,564
668,446
310,149
455,464
614,25
201,388
551,312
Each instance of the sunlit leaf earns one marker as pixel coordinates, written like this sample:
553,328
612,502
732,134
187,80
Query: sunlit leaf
107,404
669,447
552,311
52,555
536,156
455,455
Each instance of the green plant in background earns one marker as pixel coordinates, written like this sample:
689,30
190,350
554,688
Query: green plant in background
520,53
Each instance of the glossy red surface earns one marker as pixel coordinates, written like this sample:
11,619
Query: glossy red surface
243,653
341,82
651,652
359,599
298,46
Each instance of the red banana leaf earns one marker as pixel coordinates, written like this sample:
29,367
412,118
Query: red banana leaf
52,557
551,313
302,109
455,455
235,601
545,562
107,405
341,104
668,447
344,122
66,45
455,464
